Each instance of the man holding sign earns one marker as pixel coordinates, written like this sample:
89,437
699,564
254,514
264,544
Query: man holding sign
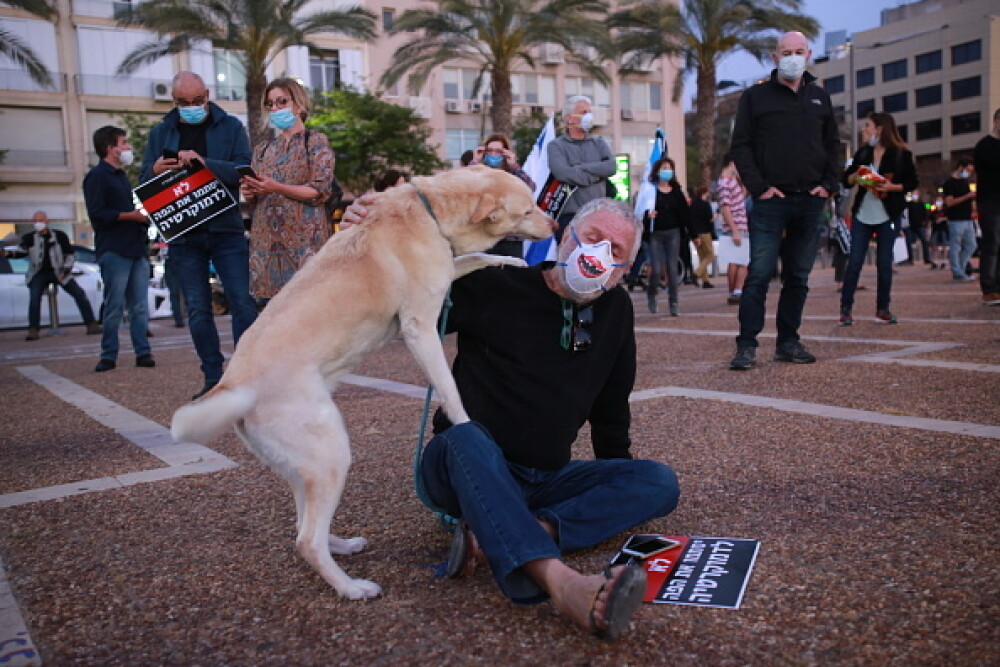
196,134
121,237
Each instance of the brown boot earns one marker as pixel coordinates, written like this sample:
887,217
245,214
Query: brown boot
32,333
94,328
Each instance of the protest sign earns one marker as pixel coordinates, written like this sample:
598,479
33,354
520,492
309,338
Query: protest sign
553,196
700,571
179,200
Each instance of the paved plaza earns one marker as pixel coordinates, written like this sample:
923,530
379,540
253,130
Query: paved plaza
870,479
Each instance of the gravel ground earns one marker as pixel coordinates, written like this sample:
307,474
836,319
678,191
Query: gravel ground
875,539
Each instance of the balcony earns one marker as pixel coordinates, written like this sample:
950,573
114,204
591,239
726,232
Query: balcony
33,158
109,9
18,79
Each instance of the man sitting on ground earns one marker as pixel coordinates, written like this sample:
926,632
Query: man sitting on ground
541,351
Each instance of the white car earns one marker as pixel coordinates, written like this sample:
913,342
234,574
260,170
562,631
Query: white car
14,296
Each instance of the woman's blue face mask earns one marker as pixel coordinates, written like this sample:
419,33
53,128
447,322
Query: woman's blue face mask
666,175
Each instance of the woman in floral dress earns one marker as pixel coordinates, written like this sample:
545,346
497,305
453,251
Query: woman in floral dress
292,179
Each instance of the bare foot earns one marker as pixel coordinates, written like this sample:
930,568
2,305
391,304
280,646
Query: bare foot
602,604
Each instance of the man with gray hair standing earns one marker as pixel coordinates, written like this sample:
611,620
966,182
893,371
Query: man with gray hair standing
580,160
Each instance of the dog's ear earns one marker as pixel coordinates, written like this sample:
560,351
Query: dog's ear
488,207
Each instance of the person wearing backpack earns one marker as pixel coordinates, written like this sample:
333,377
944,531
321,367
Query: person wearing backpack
288,190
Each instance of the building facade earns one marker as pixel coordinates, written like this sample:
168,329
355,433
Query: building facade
46,132
935,66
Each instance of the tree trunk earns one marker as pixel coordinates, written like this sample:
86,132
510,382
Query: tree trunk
502,101
256,83
704,122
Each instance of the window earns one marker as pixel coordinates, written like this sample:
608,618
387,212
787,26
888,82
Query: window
965,123
894,70
964,88
533,89
967,52
928,62
865,107
388,15
324,71
458,141
655,97
865,77
924,97
894,103
230,78
640,96
929,129
596,91
834,85
904,132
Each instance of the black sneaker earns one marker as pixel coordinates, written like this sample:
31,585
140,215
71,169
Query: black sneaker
845,317
104,365
209,386
795,353
145,361
746,357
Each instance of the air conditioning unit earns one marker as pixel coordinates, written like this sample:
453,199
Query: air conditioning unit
451,106
475,107
421,107
628,114
552,54
161,91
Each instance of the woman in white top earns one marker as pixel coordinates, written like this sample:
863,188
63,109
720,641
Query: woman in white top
883,171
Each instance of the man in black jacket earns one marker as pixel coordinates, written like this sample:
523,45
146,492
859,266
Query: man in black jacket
787,149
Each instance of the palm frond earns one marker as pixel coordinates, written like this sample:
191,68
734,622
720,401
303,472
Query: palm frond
21,54
40,8
149,52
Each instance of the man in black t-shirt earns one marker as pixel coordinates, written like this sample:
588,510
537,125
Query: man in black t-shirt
958,198
986,158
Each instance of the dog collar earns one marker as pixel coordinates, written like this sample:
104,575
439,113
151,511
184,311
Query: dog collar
430,211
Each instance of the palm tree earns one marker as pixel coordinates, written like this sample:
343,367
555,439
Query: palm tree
701,34
255,30
20,53
497,35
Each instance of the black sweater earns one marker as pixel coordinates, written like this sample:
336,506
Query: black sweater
516,379
786,139
672,212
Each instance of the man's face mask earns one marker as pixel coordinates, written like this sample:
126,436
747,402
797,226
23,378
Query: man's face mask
792,67
589,267
192,115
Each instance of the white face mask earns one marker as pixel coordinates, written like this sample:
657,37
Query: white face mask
126,157
587,122
791,68
40,226
589,267
873,141
963,174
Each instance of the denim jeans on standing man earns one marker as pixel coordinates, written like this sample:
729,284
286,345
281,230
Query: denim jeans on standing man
989,222
126,283
190,256
789,228
861,236
961,245
465,473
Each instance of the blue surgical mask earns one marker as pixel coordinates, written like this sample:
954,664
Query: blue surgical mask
666,175
873,141
282,119
193,115
494,161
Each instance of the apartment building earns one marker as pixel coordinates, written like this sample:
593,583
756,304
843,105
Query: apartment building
47,131
935,66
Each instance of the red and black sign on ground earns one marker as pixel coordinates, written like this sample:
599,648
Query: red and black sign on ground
179,200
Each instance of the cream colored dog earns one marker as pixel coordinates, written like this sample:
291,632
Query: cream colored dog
368,283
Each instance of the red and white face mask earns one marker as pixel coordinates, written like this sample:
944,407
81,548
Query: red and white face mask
589,267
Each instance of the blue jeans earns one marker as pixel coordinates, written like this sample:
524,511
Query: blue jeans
961,245
174,290
788,228
126,283
861,236
663,252
36,288
190,256
465,472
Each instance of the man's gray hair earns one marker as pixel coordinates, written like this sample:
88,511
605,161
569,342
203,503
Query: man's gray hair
615,207
570,104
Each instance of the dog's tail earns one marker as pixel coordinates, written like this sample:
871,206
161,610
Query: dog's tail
207,418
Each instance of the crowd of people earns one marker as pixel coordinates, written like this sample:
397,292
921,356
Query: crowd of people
558,331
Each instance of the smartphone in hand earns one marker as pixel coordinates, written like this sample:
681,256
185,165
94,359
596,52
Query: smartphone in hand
169,154
245,170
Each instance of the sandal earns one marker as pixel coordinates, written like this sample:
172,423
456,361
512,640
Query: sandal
628,588
463,555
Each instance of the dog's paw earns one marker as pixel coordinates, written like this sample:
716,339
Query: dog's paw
342,547
360,589
466,264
